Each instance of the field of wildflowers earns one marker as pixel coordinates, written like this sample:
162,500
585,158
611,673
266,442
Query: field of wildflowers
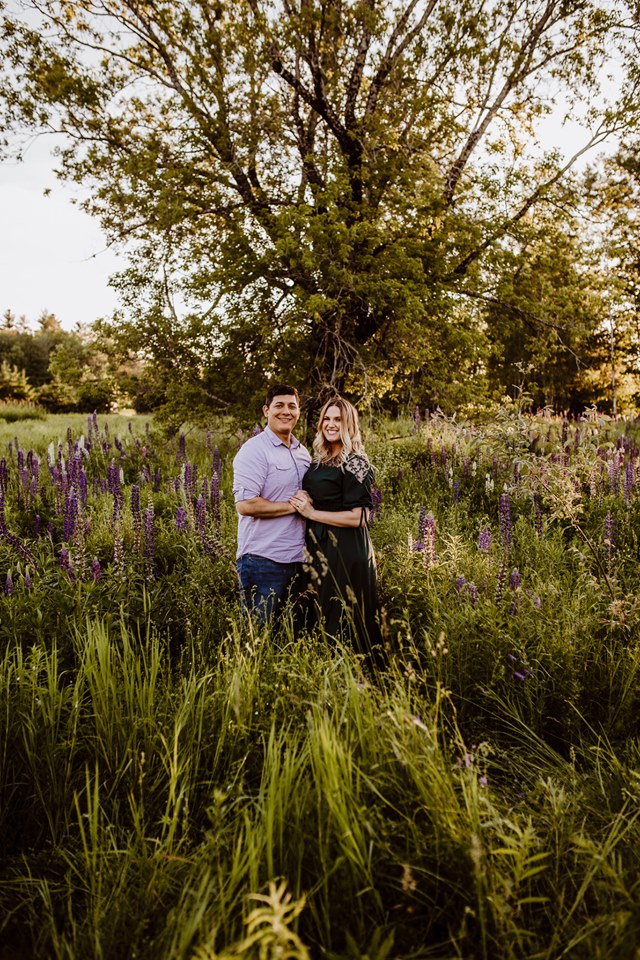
175,783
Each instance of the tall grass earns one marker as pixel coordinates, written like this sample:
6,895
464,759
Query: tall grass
176,782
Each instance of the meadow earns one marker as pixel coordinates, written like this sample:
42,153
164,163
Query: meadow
177,783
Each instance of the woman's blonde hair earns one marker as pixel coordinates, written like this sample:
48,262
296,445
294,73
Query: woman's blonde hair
349,434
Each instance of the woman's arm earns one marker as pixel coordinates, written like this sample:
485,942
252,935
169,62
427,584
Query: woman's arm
341,518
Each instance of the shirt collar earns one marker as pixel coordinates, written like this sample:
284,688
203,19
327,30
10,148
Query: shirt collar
275,439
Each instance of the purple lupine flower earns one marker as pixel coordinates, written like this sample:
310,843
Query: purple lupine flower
516,603
505,522
83,486
484,540
70,514
216,461
456,491
501,580
180,522
186,479
256,430
65,563
96,572
181,454
514,579
629,480
157,482
565,431
28,582
460,583
118,548
215,501
137,517
4,475
609,543
422,524
472,593
399,474
8,585
149,541
430,540
201,516
113,477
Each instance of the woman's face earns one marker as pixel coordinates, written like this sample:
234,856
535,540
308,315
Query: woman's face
331,423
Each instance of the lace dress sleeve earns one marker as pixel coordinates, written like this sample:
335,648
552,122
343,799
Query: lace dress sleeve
358,477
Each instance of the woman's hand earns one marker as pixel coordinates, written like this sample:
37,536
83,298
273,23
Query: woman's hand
302,503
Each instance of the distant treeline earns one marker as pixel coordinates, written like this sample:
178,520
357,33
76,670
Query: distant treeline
65,370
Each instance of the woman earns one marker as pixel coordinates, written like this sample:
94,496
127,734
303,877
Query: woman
335,500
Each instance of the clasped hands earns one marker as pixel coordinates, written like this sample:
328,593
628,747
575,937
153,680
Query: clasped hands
302,503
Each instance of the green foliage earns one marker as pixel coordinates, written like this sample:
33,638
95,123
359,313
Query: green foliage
14,384
335,194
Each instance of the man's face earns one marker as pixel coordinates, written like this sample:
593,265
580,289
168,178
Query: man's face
282,414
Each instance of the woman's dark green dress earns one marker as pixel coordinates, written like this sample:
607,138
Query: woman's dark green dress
341,563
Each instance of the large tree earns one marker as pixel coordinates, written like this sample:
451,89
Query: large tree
317,188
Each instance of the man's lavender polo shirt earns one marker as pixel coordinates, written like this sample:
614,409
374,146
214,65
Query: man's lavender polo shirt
265,467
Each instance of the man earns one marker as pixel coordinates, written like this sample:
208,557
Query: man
268,470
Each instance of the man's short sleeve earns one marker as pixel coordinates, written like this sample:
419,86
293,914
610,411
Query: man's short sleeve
250,468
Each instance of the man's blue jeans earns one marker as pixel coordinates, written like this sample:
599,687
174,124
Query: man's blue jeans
264,584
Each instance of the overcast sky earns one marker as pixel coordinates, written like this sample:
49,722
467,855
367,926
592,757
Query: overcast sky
52,255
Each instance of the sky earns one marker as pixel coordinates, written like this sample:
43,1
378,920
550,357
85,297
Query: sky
53,256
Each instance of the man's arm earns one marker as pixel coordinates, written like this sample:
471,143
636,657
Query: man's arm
265,509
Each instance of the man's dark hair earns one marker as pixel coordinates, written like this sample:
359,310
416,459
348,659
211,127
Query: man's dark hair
281,390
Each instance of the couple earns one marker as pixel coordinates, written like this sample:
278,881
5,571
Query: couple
277,487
